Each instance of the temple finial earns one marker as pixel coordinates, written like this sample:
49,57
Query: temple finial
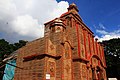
73,8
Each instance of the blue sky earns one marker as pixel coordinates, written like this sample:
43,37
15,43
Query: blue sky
101,16
24,19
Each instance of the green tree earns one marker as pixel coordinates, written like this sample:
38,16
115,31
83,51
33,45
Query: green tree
6,49
20,44
112,54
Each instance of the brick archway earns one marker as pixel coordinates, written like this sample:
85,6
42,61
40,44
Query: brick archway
98,58
96,68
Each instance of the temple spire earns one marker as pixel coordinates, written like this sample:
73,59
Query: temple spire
73,8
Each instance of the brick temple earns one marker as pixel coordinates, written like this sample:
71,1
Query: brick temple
67,51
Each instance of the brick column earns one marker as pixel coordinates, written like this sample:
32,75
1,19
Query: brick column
78,39
93,44
84,34
89,45
96,46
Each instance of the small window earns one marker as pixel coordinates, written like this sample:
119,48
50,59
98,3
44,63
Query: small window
58,29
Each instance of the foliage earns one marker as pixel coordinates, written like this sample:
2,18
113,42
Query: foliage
6,49
112,54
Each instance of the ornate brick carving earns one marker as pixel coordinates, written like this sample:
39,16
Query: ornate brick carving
52,69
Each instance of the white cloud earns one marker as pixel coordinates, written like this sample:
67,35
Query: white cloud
60,8
24,19
107,35
102,32
27,26
119,26
101,26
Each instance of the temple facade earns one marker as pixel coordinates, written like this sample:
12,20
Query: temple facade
68,51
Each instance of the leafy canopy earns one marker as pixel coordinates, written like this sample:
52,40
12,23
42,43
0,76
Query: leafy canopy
112,54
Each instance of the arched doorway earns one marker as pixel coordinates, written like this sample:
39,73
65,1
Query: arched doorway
96,70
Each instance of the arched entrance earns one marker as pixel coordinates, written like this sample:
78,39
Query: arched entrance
96,69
